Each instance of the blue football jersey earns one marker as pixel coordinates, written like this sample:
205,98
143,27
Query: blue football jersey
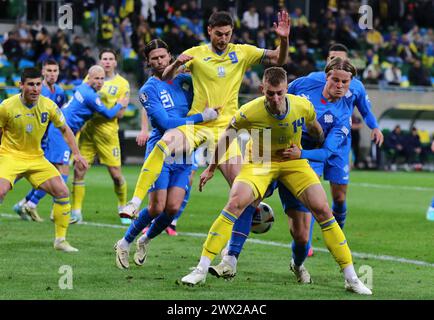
84,103
167,104
330,115
58,95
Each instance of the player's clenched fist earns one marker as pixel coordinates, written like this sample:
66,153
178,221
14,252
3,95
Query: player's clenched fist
80,163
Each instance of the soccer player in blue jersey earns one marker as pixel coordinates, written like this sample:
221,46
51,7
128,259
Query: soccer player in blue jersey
82,106
26,208
337,168
167,104
23,120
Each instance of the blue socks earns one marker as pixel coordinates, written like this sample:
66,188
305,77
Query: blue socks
138,225
184,203
299,252
160,223
240,231
340,213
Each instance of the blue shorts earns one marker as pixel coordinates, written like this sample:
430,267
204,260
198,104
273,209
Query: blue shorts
289,201
173,175
337,167
57,150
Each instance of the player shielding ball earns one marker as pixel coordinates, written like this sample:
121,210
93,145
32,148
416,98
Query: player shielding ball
285,116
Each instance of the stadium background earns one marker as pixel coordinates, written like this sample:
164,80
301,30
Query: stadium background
402,33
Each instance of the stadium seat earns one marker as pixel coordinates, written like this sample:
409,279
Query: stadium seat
11,92
24,63
16,80
405,83
2,81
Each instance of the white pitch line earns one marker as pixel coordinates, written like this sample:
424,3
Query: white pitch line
267,243
389,186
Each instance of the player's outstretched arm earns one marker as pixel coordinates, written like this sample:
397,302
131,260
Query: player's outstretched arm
279,56
176,67
69,137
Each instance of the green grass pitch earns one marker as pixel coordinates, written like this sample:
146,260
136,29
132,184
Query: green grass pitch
386,229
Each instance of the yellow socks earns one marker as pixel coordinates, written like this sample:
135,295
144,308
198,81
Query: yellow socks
335,241
61,214
151,169
219,234
78,191
121,193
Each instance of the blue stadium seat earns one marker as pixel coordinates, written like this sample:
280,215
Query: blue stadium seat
12,91
2,81
16,80
24,63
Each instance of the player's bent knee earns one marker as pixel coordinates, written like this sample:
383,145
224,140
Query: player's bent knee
61,192
172,209
235,206
156,208
321,211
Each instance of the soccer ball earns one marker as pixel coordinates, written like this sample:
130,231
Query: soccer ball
263,218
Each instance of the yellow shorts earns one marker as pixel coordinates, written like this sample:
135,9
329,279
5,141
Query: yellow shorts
106,146
37,171
199,135
296,175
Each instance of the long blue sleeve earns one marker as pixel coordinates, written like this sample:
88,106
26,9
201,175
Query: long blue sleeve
363,104
335,138
95,104
163,122
320,155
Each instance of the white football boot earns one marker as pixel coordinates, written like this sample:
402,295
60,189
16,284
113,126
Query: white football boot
129,211
197,276
32,213
300,273
122,256
357,286
141,253
223,270
63,245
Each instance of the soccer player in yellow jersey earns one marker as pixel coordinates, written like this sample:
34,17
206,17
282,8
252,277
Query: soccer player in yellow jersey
217,71
99,137
23,120
282,116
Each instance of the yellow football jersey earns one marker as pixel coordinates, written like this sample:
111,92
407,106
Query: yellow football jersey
270,133
113,89
217,78
24,127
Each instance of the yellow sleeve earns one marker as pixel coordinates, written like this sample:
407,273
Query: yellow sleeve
240,119
3,116
56,116
252,54
190,52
